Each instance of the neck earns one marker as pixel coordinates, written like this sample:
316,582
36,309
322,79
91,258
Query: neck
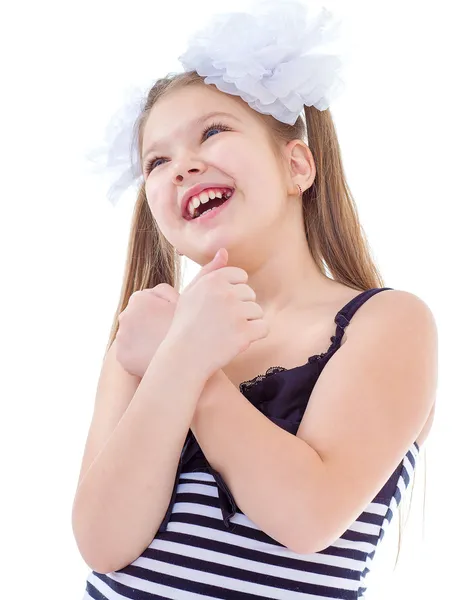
283,273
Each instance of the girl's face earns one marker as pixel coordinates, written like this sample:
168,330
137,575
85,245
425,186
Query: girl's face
183,146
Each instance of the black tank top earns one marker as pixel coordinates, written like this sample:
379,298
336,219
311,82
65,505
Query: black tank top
281,395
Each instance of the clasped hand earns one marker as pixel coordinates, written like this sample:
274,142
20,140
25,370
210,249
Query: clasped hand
216,315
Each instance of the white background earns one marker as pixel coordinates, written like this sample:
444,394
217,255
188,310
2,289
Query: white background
404,127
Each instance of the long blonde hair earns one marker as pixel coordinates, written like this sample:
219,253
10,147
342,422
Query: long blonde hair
335,236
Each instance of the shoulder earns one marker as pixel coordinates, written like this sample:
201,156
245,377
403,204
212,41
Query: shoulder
393,323
396,331
377,389
398,311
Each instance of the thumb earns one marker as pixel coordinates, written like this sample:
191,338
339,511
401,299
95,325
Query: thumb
219,260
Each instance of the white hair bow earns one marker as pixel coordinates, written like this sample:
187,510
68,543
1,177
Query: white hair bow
275,58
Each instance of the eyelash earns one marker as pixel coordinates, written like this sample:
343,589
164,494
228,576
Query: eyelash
152,160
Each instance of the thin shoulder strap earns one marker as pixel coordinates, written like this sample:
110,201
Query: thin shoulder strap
343,318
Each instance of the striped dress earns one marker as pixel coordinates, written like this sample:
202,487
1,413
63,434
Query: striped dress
206,548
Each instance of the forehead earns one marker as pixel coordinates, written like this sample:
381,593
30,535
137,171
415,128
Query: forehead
183,110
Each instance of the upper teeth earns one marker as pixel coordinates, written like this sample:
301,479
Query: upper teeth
204,197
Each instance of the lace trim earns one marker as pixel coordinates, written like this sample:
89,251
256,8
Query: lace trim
334,340
245,385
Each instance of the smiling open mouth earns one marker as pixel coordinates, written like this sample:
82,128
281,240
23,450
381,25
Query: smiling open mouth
211,207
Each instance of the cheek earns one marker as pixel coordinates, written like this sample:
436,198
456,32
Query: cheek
225,158
253,169
261,176
160,204
156,197
158,210
151,188
242,162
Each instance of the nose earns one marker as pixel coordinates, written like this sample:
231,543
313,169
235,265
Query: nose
185,167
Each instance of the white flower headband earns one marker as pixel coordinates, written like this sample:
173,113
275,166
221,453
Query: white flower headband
275,58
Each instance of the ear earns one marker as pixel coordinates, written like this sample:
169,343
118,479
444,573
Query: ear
301,165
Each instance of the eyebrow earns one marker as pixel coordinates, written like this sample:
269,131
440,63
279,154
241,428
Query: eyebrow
198,121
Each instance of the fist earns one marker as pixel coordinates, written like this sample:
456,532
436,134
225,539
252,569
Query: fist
217,316
143,325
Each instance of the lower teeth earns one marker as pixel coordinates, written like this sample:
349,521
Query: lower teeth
208,210
205,211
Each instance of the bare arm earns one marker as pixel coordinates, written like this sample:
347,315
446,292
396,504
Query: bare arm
123,497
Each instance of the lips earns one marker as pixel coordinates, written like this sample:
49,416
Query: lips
197,189
209,215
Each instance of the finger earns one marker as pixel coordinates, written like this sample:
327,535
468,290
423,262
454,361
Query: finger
244,292
258,329
233,275
252,310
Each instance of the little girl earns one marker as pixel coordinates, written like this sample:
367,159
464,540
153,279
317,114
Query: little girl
210,470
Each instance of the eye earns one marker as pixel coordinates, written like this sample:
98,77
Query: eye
148,167
215,126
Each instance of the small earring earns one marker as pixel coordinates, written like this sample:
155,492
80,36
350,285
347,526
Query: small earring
300,191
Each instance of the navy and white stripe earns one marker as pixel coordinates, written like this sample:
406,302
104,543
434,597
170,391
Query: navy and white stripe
198,558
